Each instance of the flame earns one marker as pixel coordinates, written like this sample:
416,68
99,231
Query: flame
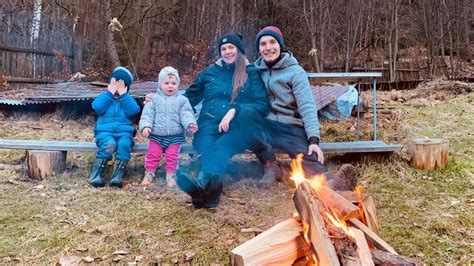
297,174
340,224
358,190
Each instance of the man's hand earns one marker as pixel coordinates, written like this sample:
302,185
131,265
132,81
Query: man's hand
146,132
148,98
224,125
315,148
121,88
112,86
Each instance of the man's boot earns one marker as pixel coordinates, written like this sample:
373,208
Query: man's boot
269,176
117,175
345,179
212,191
190,185
96,179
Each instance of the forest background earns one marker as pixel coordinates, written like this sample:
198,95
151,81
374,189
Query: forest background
325,36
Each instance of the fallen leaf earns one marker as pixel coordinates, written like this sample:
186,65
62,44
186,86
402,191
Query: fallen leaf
81,249
60,208
118,258
88,259
447,215
138,258
70,261
120,252
169,232
190,255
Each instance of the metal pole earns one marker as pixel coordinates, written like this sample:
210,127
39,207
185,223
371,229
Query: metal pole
358,110
375,109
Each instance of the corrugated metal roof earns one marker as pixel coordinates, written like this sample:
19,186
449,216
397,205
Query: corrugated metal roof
82,91
67,91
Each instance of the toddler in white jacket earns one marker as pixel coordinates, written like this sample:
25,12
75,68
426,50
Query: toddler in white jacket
164,121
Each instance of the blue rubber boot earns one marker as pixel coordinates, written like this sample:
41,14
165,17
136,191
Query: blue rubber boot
117,175
96,179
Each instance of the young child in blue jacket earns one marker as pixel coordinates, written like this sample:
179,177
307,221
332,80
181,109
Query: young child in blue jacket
114,130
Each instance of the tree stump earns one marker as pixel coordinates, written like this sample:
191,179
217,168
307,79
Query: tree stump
429,153
42,164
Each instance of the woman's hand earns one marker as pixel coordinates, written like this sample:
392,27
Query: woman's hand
146,132
315,148
224,125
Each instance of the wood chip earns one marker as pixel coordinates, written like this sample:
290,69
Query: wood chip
120,252
251,230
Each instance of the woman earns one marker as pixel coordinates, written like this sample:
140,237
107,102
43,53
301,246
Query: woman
234,103
292,125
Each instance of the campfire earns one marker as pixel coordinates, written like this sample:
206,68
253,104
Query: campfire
327,229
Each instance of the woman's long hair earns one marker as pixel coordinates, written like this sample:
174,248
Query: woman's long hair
240,74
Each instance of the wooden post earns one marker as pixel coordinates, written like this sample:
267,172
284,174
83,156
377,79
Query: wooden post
42,164
429,153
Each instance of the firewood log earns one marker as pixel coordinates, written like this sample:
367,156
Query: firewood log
308,209
281,244
42,164
372,237
388,259
429,153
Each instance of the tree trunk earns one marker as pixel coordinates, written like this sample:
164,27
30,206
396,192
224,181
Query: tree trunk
43,164
429,153
109,37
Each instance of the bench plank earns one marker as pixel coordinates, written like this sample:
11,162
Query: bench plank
82,146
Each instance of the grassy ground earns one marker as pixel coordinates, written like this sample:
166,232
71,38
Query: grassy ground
423,214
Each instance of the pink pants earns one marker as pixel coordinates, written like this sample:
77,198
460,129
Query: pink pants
153,157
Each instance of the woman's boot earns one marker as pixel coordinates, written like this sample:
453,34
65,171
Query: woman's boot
117,175
96,179
269,176
190,185
212,191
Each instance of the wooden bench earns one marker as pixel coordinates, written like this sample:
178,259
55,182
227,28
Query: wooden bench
47,157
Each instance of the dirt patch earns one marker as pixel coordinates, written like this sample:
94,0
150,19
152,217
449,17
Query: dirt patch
432,93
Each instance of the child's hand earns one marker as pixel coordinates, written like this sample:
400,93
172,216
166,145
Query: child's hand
192,128
121,89
146,132
112,86
148,98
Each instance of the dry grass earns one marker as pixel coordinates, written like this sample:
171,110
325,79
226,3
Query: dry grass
423,214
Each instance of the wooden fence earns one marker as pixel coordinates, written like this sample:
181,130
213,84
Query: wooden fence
33,47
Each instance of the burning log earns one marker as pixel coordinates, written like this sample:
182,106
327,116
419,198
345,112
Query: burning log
369,212
388,259
372,237
308,209
281,244
363,252
343,208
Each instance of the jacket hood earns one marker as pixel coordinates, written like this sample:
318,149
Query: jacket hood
287,60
